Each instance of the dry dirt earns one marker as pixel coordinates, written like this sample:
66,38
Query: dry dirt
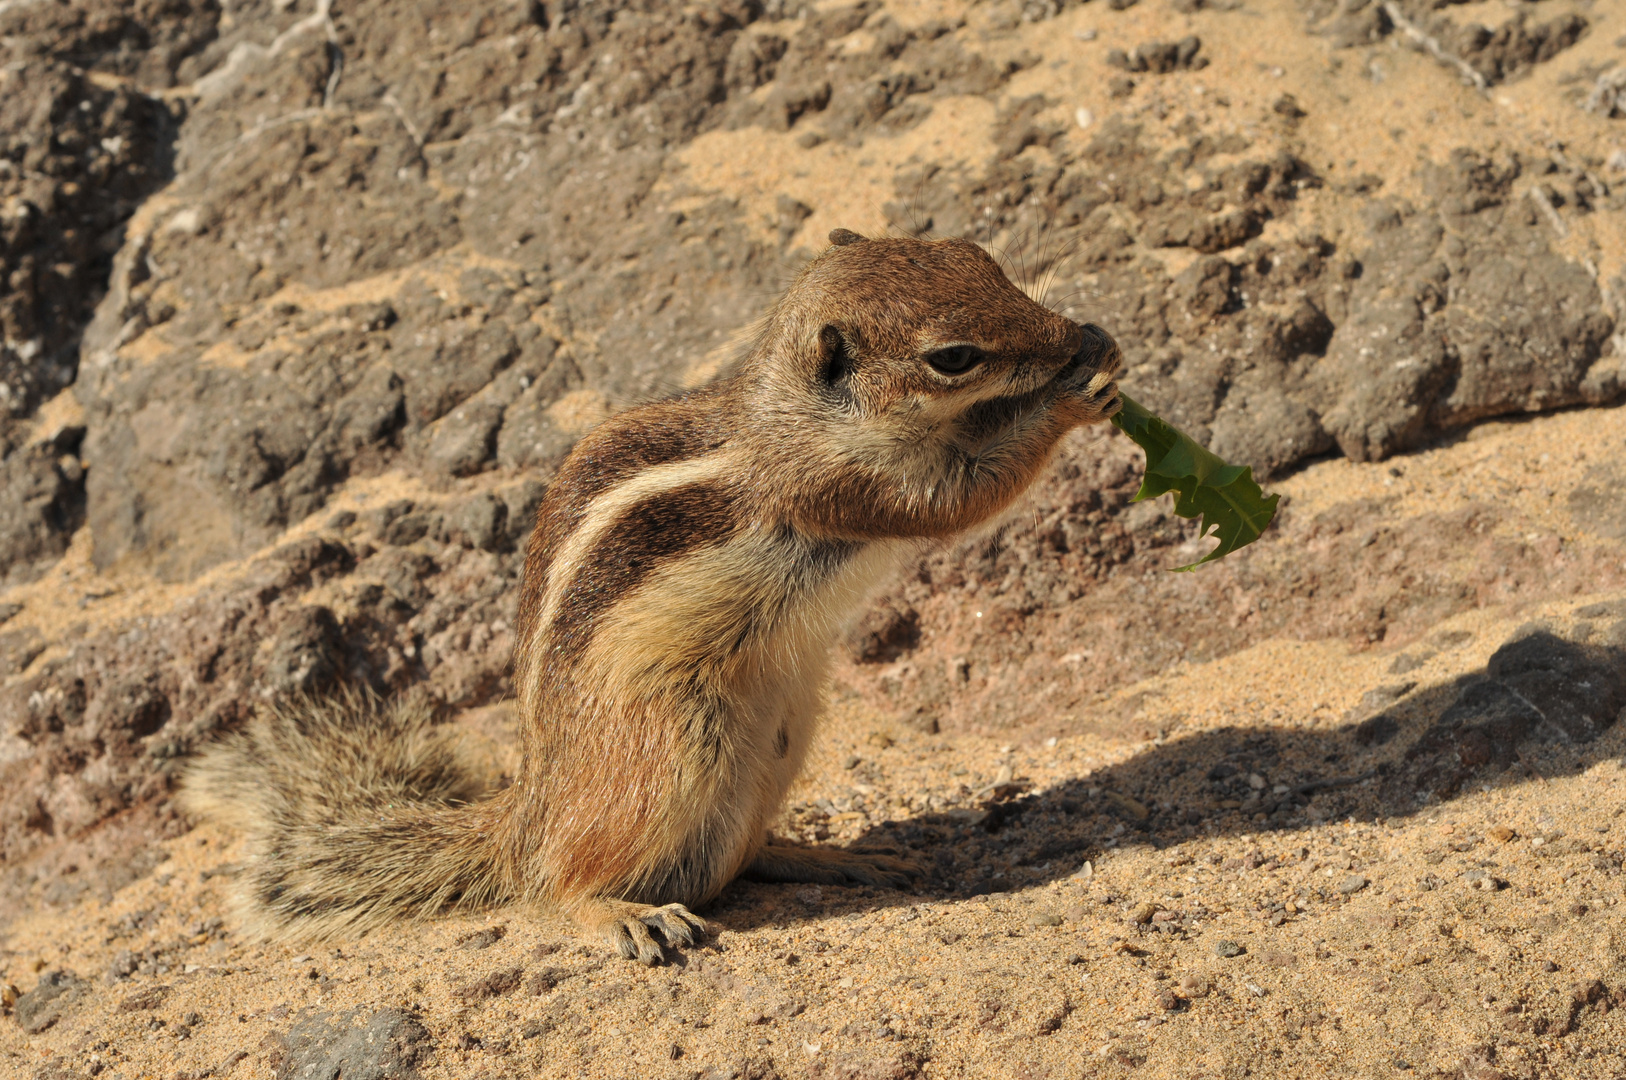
289,360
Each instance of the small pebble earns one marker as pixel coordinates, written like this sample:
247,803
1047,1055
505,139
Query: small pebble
1044,918
1142,912
1228,948
1354,883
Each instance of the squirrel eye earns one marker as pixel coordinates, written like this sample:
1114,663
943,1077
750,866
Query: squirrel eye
956,359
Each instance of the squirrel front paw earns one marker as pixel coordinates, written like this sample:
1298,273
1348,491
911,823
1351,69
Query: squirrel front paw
627,927
1089,383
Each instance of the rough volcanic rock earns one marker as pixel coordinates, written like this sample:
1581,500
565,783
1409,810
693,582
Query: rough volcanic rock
44,503
387,1045
1462,311
1493,54
44,1005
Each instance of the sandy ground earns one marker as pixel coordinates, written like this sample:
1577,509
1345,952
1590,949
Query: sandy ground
1396,940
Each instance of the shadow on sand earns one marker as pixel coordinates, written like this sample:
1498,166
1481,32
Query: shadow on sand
1535,710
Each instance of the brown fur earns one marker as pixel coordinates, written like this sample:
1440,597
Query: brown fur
690,567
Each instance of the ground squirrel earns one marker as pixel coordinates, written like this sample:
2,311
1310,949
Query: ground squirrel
691,566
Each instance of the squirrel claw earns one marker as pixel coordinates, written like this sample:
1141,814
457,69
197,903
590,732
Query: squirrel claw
676,923
628,926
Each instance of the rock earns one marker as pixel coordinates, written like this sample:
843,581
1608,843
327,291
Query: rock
123,965
306,654
44,1005
465,438
1376,730
1381,697
1142,912
1352,884
1579,689
522,501
545,980
144,1000
479,521
493,985
1501,834
1421,351
1130,807
43,502
482,939
386,1045
1160,58
1045,918
1228,948
1486,722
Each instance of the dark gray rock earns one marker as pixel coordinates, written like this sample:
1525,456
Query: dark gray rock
51,997
43,502
1580,689
1488,720
386,1045
522,501
1259,424
1461,314
479,521
465,438
306,654
1496,55
1376,730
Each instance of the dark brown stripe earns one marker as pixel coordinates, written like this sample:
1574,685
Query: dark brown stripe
614,452
660,528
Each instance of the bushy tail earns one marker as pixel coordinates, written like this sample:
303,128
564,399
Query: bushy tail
359,812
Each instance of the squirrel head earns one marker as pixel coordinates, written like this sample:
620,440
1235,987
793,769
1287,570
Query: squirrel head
919,331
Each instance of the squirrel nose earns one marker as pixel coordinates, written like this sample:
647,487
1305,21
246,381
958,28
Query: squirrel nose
1097,350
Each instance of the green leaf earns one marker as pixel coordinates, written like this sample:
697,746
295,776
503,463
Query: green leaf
1232,507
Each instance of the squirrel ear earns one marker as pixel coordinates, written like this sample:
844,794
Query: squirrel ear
843,237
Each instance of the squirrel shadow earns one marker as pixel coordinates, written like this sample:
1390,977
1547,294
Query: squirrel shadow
1536,710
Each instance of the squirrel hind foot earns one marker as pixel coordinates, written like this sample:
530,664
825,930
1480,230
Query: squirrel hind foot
785,863
627,927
